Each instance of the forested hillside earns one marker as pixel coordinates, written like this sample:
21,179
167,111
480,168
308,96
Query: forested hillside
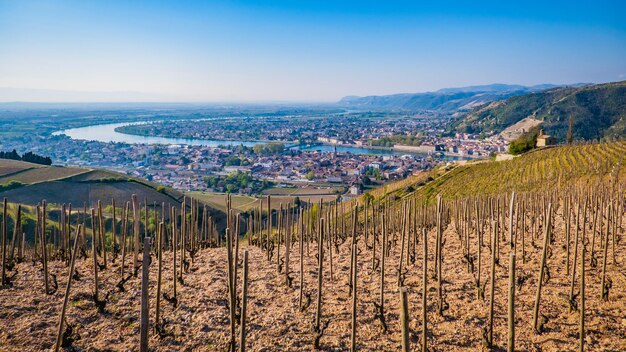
445,100
597,111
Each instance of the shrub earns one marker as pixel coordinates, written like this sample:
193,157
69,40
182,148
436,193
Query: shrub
13,184
524,143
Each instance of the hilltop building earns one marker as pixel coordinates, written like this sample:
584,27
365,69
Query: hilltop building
356,189
544,140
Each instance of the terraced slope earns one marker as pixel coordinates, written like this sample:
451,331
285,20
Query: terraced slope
9,167
29,184
597,111
542,169
42,174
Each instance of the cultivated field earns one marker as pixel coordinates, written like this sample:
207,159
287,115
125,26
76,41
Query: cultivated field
43,174
77,185
8,166
523,255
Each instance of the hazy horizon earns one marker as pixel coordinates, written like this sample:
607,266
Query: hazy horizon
47,96
298,51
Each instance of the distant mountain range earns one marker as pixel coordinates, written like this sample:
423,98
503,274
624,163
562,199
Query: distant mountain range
598,111
445,100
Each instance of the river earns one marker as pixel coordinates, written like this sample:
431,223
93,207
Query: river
107,133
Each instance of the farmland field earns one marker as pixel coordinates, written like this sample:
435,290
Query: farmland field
478,261
42,174
8,166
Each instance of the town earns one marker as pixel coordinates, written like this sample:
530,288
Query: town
300,151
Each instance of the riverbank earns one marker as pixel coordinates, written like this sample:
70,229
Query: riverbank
401,150
109,133
124,130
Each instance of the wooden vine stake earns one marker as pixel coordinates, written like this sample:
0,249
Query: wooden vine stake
287,247
157,321
17,231
320,266
438,256
403,235
44,248
231,291
235,256
301,259
546,238
4,240
67,293
424,292
113,232
480,290
183,237
582,299
354,278
145,318
244,302
404,318
124,233
174,249
511,337
493,282
511,223
604,293
94,253
383,251
102,235
576,240
136,226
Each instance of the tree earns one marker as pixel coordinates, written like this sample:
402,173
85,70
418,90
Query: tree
13,184
524,143
233,160
310,176
269,148
28,157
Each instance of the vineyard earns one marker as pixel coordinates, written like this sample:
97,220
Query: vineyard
542,169
526,254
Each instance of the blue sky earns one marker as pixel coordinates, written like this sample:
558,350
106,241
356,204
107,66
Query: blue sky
302,50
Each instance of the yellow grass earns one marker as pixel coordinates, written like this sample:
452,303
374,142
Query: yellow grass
302,192
243,203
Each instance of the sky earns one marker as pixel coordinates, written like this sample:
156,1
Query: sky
299,51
